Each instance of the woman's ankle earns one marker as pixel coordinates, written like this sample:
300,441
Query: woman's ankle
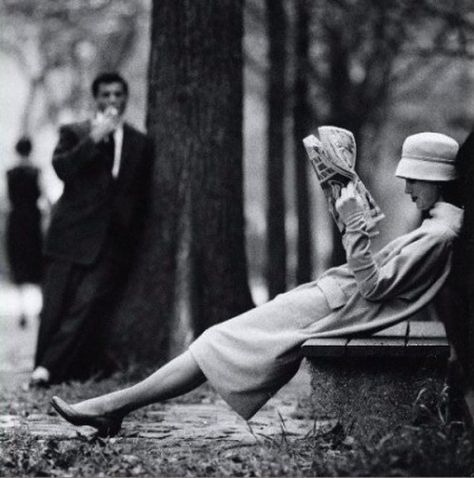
90,407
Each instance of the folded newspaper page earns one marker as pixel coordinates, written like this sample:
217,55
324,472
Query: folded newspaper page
333,158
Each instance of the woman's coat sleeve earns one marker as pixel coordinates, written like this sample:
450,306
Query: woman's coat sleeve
407,271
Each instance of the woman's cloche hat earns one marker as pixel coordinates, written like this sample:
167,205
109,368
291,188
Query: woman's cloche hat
428,157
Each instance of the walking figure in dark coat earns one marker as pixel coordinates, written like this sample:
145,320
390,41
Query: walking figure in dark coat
105,165
23,229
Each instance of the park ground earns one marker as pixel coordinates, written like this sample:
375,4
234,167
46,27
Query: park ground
198,435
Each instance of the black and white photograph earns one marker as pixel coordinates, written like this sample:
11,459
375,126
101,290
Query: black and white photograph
236,238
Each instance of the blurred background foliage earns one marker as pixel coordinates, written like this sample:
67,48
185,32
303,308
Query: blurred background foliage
383,69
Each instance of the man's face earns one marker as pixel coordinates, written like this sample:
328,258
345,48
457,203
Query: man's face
111,95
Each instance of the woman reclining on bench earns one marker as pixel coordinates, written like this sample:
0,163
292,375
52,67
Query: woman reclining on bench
248,358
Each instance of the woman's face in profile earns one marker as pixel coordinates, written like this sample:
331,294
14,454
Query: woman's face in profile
423,193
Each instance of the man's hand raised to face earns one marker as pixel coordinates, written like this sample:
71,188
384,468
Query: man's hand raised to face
104,123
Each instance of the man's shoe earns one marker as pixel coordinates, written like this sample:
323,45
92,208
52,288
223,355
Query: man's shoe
40,378
32,384
107,425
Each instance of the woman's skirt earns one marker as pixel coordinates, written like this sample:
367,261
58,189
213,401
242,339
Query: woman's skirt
248,358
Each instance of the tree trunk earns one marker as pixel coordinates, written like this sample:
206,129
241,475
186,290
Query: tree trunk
276,236
341,114
302,121
192,270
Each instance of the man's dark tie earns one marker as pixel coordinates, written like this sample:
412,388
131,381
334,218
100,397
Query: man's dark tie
109,150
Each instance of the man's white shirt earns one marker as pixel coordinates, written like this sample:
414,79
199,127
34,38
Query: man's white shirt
118,140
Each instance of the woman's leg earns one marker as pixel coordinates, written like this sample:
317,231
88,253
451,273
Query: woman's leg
177,377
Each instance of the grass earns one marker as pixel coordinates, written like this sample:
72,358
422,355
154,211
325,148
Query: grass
432,447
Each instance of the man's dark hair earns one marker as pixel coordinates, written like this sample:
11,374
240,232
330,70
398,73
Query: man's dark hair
107,78
23,146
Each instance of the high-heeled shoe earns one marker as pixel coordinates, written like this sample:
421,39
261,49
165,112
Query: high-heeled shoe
107,425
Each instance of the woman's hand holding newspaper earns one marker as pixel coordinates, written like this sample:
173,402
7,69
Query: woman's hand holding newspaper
349,203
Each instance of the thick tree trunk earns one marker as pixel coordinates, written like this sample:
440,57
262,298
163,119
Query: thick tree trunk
276,208
302,121
192,271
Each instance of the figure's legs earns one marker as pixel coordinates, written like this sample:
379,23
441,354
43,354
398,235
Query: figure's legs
177,377
56,286
77,304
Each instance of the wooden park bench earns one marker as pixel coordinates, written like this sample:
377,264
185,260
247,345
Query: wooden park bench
371,384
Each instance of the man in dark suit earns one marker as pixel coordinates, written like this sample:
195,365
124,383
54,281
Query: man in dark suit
105,165
461,325
456,300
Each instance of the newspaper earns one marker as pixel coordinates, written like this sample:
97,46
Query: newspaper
333,158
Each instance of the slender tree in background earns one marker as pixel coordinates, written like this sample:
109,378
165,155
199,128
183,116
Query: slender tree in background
302,122
192,270
276,99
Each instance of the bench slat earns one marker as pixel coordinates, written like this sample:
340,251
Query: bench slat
427,346
398,330
376,346
427,342
426,329
332,347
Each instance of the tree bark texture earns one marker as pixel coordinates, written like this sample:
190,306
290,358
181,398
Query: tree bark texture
341,114
302,121
192,271
276,208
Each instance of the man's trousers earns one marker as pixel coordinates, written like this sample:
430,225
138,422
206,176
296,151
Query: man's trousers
78,302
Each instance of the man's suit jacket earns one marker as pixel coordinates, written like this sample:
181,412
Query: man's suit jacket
93,203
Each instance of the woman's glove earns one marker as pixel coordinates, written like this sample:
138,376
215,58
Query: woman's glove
349,205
